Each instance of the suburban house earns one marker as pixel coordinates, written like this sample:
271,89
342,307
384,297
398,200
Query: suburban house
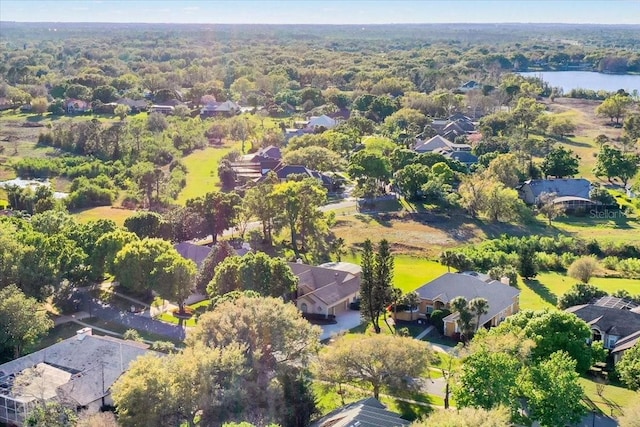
322,121
162,109
283,172
576,188
213,109
78,371
464,157
614,321
136,105
469,86
436,295
76,106
327,289
363,413
438,143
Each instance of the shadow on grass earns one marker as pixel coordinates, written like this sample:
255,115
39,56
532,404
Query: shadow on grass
412,411
574,143
542,291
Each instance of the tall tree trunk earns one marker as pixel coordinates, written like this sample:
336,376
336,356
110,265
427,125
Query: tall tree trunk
376,391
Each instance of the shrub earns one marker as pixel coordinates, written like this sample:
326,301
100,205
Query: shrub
436,319
580,293
583,268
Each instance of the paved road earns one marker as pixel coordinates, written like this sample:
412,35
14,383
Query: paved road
112,314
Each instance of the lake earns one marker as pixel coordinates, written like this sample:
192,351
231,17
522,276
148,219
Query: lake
568,80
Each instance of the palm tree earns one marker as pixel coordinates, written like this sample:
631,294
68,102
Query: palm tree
465,316
411,300
447,258
479,306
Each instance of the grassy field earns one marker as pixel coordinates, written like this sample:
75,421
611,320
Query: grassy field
202,175
117,215
410,272
547,287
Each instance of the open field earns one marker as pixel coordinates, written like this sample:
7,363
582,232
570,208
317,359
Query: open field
547,287
202,175
117,215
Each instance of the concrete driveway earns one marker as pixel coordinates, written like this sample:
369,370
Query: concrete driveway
347,320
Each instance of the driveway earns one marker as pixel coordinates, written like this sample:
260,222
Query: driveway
112,314
346,321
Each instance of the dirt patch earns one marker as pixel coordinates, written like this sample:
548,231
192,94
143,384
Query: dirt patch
583,113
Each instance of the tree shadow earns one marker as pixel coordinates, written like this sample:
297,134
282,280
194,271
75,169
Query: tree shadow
573,143
541,290
412,411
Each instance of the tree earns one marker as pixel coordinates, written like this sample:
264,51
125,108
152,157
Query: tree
504,168
580,293
376,282
487,380
465,317
527,264
107,247
259,201
499,203
316,158
122,111
552,391
100,419
274,337
299,202
300,400
136,262
548,208
381,362
175,277
39,105
632,128
253,272
583,268
105,94
220,210
22,320
145,224
560,162
551,331
411,178
219,252
612,163
560,126
614,107
629,367
472,195
467,417
367,164
479,306
51,414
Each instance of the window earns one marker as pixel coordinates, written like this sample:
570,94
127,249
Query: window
612,341
303,307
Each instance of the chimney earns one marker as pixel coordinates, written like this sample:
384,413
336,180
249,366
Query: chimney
299,261
84,332
504,280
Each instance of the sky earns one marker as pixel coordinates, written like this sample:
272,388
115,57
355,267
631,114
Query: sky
322,12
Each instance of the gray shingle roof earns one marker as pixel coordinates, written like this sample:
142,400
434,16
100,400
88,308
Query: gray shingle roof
578,187
613,321
364,413
327,284
451,285
87,360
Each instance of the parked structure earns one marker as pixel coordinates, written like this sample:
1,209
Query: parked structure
363,413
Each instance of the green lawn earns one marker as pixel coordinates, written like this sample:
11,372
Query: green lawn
202,175
121,329
547,287
410,272
614,398
117,215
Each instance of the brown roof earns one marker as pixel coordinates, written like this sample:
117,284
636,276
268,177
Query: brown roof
327,285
